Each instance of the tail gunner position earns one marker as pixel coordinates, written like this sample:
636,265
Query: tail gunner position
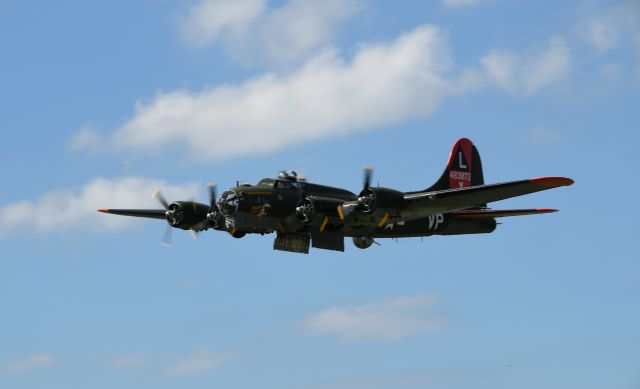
304,214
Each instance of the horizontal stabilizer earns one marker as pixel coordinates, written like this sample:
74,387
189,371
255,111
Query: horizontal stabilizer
430,203
493,213
148,213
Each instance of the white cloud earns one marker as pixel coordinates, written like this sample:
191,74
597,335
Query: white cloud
614,25
247,27
328,96
387,319
502,67
127,361
74,209
210,20
549,66
530,73
602,34
384,83
34,361
294,30
634,23
459,3
87,139
202,361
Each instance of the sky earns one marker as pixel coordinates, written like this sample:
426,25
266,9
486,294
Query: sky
102,102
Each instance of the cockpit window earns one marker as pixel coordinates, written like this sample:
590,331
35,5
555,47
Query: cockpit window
289,176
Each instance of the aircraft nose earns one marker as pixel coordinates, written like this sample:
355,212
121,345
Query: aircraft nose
228,202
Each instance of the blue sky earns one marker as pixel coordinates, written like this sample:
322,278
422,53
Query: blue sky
103,102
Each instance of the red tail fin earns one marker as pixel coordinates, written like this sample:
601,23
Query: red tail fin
464,167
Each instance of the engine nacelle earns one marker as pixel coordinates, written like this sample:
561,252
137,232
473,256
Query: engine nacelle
310,207
363,242
371,199
187,215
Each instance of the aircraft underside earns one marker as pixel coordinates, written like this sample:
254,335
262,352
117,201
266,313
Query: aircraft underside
297,238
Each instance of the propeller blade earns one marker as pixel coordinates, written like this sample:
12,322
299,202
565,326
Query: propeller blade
368,171
167,237
212,194
160,198
194,234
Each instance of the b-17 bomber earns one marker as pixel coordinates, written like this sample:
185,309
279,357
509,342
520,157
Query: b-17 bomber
304,214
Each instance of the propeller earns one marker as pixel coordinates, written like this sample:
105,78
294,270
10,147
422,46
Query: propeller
304,209
212,194
368,172
214,215
170,210
174,214
167,237
366,199
156,195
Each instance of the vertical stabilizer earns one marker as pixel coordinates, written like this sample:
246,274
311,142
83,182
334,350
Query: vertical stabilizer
464,168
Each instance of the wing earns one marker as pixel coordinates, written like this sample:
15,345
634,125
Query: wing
493,213
427,203
148,213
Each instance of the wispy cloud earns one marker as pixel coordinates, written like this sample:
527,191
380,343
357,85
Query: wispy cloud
529,73
602,34
329,96
383,84
612,25
127,361
208,20
202,361
387,319
248,27
67,209
540,135
34,361
88,139
605,27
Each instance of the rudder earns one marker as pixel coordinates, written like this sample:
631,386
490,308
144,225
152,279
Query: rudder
464,168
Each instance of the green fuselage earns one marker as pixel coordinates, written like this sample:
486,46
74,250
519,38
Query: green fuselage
270,206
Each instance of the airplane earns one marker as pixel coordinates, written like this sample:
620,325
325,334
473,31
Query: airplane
304,214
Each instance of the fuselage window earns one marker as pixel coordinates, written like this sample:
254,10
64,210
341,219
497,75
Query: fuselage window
283,185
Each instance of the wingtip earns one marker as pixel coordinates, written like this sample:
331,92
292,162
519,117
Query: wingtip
546,210
103,210
552,182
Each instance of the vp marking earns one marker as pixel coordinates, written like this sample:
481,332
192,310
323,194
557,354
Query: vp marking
435,221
